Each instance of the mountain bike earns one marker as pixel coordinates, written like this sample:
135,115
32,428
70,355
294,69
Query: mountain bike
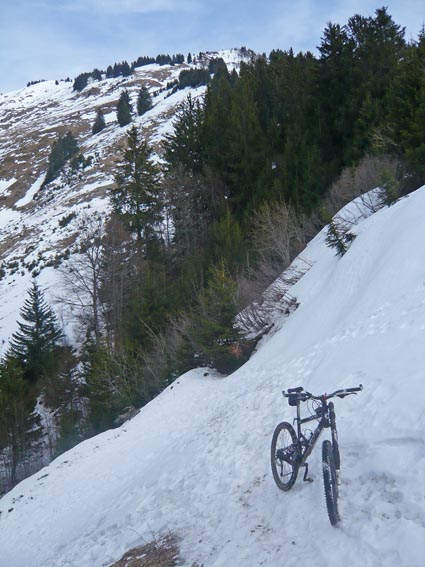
290,449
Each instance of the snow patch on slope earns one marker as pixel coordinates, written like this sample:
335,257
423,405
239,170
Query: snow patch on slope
5,184
29,195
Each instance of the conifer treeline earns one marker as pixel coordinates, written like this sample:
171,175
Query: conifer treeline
286,127
123,69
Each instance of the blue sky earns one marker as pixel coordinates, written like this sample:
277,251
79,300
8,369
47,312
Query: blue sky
53,39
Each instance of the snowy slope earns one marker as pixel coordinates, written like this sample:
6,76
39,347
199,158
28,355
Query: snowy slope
33,234
196,459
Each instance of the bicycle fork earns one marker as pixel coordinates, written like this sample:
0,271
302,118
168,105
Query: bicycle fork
335,445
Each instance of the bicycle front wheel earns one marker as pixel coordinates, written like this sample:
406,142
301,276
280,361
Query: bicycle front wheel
284,456
330,483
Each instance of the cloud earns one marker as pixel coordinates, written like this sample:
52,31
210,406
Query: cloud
131,6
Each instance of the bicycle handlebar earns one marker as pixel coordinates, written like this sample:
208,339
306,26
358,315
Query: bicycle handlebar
303,396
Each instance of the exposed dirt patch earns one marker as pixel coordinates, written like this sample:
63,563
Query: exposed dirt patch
158,553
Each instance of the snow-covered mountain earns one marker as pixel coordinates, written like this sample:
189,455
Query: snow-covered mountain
196,460
38,226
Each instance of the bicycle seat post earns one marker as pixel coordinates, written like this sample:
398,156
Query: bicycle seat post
298,418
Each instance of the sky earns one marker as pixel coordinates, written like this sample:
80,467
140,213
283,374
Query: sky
54,39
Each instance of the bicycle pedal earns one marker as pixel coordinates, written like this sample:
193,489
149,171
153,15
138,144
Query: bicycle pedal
309,479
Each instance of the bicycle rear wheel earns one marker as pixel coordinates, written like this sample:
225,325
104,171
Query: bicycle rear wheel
330,483
284,456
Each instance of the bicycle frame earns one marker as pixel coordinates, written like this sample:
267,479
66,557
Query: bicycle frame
306,446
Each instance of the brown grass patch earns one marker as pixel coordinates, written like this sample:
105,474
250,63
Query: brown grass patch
163,552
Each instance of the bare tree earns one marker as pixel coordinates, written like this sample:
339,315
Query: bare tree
277,232
124,268
82,275
372,172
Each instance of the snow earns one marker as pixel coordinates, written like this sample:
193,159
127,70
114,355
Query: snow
30,193
7,217
5,184
196,459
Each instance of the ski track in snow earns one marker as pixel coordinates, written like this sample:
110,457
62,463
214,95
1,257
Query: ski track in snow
196,460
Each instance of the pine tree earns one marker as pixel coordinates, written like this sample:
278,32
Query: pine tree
136,196
124,109
126,70
37,339
406,121
389,190
95,362
19,426
99,123
184,146
62,150
218,124
225,242
217,342
193,78
81,81
378,46
338,236
96,75
144,101
336,84
247,157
